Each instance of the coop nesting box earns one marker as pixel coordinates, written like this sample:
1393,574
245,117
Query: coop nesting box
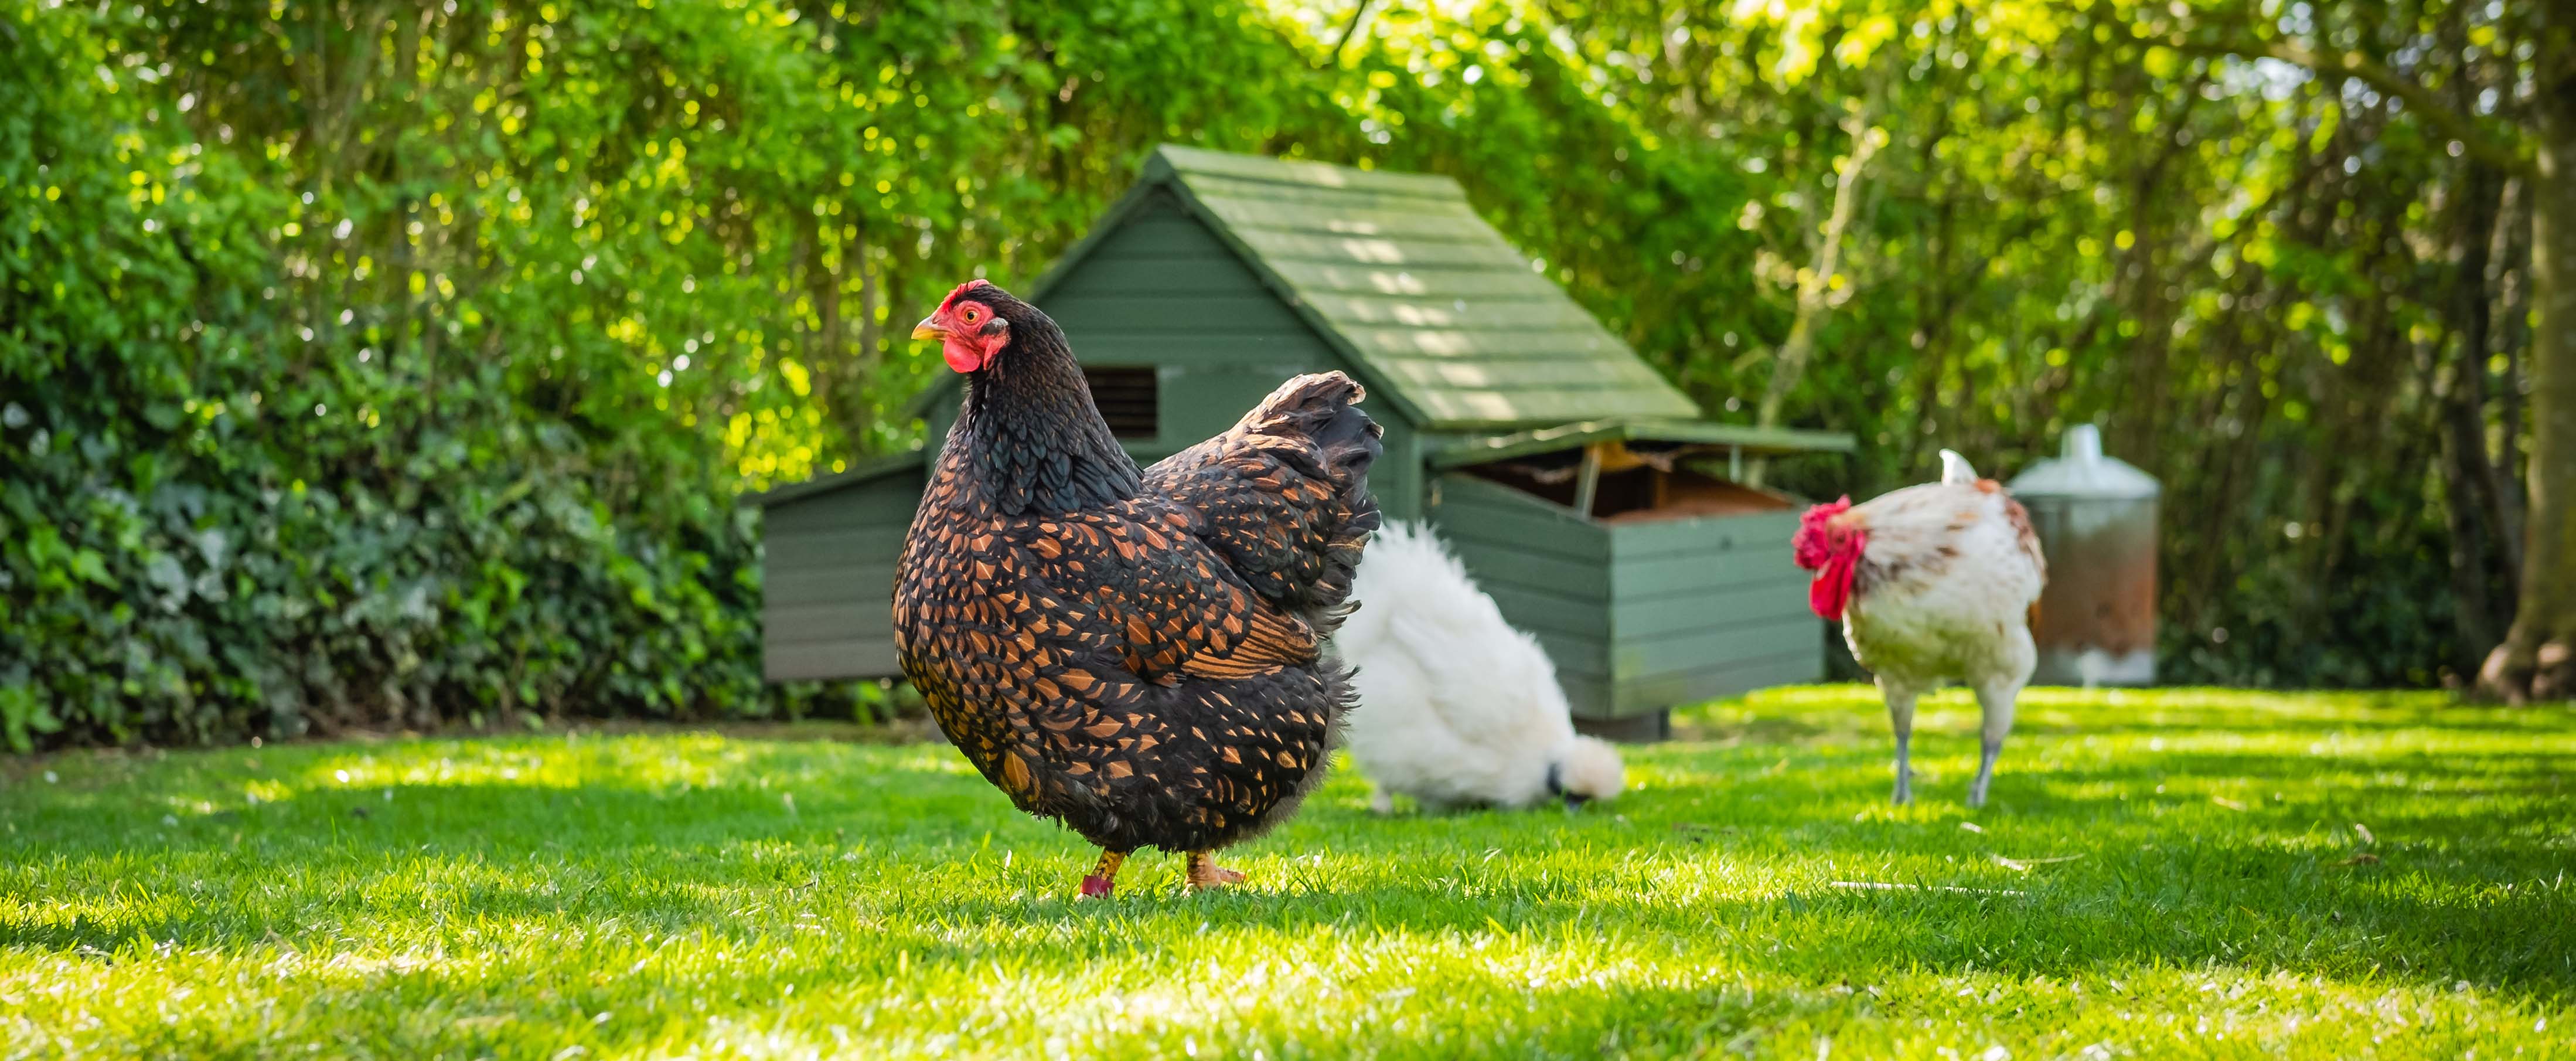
2096,517
1579,487
1651,574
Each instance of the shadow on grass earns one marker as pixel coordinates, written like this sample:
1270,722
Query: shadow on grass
1857,712
2469,847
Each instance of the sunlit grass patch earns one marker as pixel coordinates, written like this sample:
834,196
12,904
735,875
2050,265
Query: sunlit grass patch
2184,872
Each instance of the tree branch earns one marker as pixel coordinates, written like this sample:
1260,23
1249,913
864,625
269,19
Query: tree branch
1815,284
1349,30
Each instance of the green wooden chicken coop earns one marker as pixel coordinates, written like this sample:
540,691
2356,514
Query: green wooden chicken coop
1582,490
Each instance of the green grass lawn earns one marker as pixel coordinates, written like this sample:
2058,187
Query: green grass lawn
2190,873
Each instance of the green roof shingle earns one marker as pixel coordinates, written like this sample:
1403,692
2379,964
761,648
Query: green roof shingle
1398,272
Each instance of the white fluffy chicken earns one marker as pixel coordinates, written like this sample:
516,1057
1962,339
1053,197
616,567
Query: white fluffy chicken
1932,582
1456,707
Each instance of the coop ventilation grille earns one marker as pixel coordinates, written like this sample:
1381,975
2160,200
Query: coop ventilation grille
1127,398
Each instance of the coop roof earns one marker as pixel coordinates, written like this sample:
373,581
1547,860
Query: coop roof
1398,273
866,469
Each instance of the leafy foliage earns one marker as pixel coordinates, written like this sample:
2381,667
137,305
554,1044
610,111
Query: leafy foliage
383,363
245,498
371,362
2292,295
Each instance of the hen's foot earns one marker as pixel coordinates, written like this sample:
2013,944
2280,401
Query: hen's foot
1206,874
1104,875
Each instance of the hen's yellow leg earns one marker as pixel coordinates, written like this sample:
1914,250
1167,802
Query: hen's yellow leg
1206,874
1104,875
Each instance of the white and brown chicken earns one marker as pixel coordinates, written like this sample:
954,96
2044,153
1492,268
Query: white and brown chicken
1932,583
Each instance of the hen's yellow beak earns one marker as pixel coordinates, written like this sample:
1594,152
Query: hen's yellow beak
929,328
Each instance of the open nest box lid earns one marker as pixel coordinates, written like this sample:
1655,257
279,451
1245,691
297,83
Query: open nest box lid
1636,470
1648,441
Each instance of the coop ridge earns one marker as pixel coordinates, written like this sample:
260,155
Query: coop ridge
1396,272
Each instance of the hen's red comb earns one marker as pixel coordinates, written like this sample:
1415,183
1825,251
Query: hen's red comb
961,289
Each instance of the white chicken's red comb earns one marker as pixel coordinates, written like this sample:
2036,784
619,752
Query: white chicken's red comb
1812,545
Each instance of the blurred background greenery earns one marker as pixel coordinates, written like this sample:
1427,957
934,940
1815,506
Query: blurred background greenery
380,363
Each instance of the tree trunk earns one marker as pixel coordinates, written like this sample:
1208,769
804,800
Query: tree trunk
2538,658
2470,477
2514,338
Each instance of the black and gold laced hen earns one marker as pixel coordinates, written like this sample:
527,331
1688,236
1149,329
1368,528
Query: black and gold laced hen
1137,654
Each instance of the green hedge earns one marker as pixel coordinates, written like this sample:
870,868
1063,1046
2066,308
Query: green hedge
378,363
400,365
217,522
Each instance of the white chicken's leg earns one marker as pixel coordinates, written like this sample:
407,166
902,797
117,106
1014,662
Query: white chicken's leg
1381,800
1900,717
1996,701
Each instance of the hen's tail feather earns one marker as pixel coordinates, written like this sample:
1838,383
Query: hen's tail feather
1328,619
1342,553
1955,469
1351,442
1323,408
